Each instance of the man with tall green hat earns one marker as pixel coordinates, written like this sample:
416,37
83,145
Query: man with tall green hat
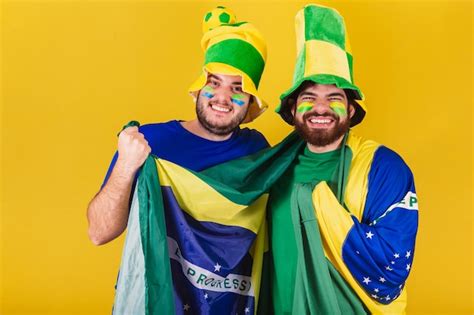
225,94
343,217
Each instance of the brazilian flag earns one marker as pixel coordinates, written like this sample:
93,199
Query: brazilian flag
197,243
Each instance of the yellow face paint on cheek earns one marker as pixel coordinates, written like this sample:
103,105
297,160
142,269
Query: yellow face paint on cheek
339,108
304,107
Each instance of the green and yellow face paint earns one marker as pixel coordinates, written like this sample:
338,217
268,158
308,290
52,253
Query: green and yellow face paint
304,107
208,92
339,108
238,99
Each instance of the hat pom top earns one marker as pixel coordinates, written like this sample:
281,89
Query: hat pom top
217,17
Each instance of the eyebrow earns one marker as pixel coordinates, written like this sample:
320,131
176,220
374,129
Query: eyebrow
336,94
308,93
316,95
212,76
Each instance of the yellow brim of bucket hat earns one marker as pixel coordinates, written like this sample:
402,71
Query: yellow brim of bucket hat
257,107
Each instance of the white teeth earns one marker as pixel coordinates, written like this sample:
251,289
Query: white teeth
320,121
220,109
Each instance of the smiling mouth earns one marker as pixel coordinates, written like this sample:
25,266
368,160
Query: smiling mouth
320,122
220,109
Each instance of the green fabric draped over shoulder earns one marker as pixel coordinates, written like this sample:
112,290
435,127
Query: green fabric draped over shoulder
319,288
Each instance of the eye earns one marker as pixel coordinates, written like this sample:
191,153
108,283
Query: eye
307,98
213,84
237,89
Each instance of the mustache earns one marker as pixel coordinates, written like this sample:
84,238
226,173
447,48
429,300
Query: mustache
308,115
225,103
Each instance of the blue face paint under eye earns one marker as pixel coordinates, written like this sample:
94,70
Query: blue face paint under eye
238,99
207,92
238,102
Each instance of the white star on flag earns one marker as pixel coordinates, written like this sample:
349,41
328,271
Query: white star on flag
247,309
387,298
388,268
369,235
186,307
392,262
375,296
217,267
376,290
367,280
206,296
408,254
382,279
396,255
408,267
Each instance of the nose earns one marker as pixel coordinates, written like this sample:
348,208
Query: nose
321,107
223,95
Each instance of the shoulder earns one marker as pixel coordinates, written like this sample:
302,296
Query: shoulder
152,128
390,181
162,136
390,163
253,136
380,158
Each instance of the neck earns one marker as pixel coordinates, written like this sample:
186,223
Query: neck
327,148
195,127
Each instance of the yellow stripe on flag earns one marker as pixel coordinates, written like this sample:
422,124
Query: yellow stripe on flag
357,182
204,203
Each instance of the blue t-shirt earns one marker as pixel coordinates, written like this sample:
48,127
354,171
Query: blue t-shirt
171,141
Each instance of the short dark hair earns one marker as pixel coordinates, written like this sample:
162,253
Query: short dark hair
351,96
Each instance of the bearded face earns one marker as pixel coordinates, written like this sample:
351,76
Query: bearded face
222,105
309,128
322,114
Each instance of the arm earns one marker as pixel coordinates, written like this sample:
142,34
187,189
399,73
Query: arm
377,248
107,212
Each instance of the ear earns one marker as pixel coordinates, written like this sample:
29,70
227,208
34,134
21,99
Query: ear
351,109
251,99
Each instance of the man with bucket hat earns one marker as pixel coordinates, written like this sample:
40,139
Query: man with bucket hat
343,217
225,94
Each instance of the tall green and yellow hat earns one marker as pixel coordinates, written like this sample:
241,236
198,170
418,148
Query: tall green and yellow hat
323,56
233,48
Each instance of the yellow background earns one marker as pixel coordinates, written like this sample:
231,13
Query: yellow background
73,72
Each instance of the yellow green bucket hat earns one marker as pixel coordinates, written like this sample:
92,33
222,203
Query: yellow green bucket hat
233,48
323,56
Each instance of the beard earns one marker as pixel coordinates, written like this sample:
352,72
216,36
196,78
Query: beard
219,128
322,137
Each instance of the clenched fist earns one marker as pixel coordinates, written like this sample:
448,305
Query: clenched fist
133,150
